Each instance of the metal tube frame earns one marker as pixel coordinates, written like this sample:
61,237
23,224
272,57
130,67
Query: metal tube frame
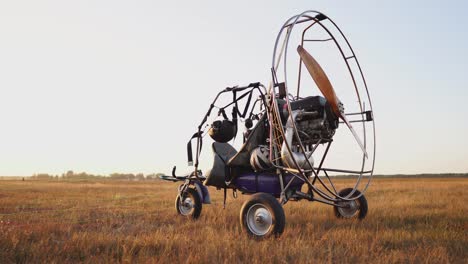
251,87
277,131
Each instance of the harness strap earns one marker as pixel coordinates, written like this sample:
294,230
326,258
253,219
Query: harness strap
222,112
197,135
225,196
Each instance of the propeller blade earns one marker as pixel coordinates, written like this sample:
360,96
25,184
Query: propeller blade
324,85
354,134
320,78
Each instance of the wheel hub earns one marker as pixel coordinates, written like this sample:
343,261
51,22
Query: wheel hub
349,208
186,206
259,219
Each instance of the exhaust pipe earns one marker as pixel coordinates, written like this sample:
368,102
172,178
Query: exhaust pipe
299,157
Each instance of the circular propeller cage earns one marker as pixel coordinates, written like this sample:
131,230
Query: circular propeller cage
362,119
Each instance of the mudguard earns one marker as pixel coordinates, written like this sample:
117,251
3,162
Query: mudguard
202,192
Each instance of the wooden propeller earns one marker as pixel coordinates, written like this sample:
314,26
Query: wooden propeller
324,85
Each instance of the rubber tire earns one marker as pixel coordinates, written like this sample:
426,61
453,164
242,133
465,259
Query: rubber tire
193,194
363,208
275,208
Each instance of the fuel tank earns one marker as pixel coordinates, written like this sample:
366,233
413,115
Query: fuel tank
267,182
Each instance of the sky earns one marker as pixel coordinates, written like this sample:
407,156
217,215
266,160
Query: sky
120,86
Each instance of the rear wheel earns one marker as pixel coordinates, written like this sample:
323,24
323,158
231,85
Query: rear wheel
189,204
262,216
352,209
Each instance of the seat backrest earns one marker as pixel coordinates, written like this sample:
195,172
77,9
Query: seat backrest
222,152
256,138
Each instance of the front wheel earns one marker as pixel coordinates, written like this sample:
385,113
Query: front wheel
351,209
189,204
262,216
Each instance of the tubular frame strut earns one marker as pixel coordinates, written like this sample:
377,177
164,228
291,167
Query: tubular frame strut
277,132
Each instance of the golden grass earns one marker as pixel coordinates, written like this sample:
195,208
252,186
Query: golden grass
417,220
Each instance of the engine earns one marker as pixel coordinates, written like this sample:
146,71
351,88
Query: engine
316,122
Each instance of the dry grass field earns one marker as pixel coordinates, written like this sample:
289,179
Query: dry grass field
415,220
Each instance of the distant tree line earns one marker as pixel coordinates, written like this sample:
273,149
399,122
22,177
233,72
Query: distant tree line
70,175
